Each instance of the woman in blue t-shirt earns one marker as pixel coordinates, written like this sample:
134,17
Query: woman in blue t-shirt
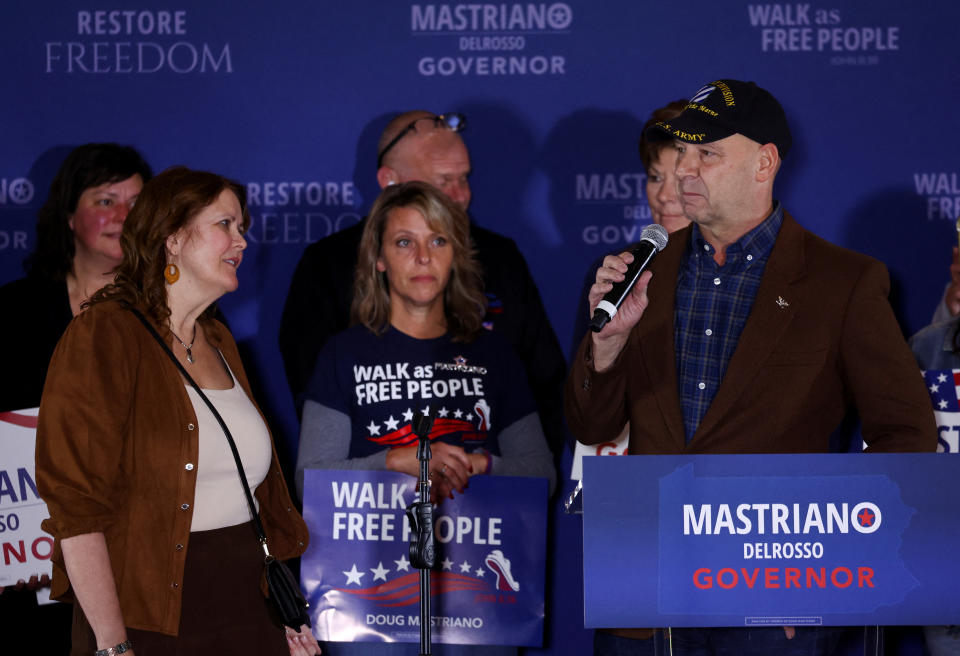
418,345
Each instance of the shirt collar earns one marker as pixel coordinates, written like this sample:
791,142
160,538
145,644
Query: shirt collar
758,243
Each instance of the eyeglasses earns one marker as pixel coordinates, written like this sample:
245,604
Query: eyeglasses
452,121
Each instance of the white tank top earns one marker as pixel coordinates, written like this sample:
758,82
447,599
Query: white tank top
219,500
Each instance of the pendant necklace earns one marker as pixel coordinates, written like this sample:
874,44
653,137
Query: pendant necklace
187,346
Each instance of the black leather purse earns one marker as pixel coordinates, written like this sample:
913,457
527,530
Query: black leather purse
288,600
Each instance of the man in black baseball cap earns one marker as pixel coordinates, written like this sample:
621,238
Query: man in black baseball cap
774,337
726,107
731,138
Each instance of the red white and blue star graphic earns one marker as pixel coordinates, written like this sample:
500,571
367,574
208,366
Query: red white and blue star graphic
944,387
400,585
472,424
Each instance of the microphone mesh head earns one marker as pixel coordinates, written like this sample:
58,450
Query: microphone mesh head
656,235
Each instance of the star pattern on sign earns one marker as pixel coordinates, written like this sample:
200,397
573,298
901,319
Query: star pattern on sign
447,564
457,414
943,386
866,517
380,572
391,424
469,416
408,415
480,572
465,566
373,428
403,565
354,575
460,360
443,412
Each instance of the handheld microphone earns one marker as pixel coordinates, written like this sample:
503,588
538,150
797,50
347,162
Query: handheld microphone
653,239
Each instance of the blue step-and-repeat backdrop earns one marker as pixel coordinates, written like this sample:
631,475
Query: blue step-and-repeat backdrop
290,97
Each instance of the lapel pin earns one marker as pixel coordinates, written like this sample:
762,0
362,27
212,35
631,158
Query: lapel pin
782,303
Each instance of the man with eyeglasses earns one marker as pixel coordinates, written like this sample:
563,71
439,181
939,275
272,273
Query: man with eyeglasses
420,145
428,148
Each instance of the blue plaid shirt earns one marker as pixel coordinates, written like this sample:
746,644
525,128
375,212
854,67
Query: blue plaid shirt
712,306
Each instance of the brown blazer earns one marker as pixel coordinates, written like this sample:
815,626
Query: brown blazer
821,339
115,433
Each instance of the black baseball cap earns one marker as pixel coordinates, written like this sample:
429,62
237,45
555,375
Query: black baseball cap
726,107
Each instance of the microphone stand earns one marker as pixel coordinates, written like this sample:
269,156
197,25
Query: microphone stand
420,513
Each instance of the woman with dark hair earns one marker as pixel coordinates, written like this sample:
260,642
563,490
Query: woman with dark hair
78,247
153,535
419,305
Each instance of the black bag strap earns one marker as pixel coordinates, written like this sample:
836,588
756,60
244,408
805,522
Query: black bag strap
226,431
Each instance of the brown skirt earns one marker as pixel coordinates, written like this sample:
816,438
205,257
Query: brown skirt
223,610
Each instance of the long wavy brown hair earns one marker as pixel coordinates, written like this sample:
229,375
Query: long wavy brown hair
464,303
166,204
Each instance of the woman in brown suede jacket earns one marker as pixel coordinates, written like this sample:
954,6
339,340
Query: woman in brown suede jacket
154,541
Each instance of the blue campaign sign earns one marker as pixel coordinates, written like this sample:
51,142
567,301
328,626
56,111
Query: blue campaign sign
487,587
734,540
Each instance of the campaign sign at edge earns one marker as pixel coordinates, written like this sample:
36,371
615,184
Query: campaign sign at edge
735,540
25,547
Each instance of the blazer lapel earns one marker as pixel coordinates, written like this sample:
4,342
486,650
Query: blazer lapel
773,309
655,333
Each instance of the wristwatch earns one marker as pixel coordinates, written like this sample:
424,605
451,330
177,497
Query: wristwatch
122,648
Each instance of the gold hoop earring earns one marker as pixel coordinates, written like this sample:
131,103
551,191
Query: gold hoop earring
171,273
